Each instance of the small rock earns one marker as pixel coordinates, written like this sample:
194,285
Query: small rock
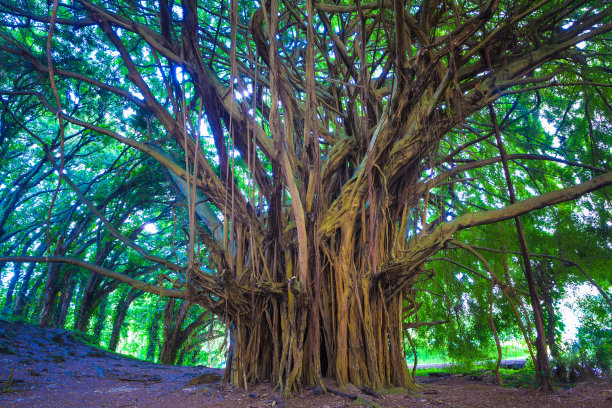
318,391
324,406
206,378
276,401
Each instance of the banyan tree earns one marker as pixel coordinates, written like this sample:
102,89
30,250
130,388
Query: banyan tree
325,151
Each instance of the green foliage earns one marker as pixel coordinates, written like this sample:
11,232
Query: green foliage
566,126
521,378
590,354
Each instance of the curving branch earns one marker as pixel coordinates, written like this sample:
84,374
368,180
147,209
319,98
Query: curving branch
566,261
135,283
424,245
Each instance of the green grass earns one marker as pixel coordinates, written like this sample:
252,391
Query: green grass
438,356
521,378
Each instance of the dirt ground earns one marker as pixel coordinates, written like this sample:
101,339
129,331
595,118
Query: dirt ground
52,368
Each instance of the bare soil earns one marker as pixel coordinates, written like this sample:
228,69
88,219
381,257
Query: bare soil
54,368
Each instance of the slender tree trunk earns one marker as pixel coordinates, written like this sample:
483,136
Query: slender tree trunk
35,299
174,334
52,288
543,366
545,283
20,300
153,335
68,284
88,304
8,303
173,320
181,356
17,267
22,305
97,332
120,314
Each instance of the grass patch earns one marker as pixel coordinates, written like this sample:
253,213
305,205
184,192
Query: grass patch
511,350
521,378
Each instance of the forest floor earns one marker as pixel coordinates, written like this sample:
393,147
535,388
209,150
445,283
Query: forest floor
55,368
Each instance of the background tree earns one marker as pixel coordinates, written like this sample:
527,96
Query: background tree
326,154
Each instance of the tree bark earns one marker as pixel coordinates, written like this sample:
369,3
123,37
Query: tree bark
173,339
68,285
8,303
50,294
100,321
315,275
543,366
88,303
20,300
153,335
546,284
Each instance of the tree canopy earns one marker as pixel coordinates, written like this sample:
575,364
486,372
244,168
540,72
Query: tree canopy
321,177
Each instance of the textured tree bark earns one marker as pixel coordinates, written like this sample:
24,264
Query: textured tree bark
543,364
100,321
360,340
8,302
316,278
175,335
545,283
153,335
68,285
87,305
50,294
174,317
23,302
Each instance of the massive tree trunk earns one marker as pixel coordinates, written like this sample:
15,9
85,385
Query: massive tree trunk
336,162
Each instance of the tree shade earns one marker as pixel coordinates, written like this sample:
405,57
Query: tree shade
308,164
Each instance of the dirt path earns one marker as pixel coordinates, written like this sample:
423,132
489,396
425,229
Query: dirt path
52,368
